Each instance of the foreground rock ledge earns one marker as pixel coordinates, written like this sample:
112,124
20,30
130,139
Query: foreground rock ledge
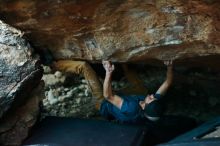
122,31
19,70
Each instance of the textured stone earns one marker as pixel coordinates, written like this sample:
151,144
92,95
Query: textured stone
121,31
74,100
19,69
15,126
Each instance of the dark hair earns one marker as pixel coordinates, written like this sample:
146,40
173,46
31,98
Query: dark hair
154,109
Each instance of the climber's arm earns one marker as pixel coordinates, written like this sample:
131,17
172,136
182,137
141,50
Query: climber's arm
107,88
169,78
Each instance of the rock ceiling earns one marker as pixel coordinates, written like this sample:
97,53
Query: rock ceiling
122,31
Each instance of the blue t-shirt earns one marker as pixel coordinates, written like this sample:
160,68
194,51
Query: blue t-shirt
130,111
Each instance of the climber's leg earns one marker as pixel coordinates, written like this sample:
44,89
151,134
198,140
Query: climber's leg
137,85
81,67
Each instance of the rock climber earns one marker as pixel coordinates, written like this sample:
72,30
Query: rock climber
133,108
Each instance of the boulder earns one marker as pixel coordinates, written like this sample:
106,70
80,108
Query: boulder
121,31
16,125
20,72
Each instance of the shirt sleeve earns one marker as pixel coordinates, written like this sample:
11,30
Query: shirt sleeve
105,110
158,96
140,97
128,106
124,106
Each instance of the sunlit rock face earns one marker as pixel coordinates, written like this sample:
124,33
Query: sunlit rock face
122,31
19,70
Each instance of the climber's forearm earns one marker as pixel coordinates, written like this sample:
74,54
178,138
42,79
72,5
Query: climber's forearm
107,88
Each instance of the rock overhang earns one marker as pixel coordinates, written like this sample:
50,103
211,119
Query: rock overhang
125,31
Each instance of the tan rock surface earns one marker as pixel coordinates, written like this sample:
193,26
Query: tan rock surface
122,31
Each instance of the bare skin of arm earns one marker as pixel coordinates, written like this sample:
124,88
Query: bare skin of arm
107,87
169,78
